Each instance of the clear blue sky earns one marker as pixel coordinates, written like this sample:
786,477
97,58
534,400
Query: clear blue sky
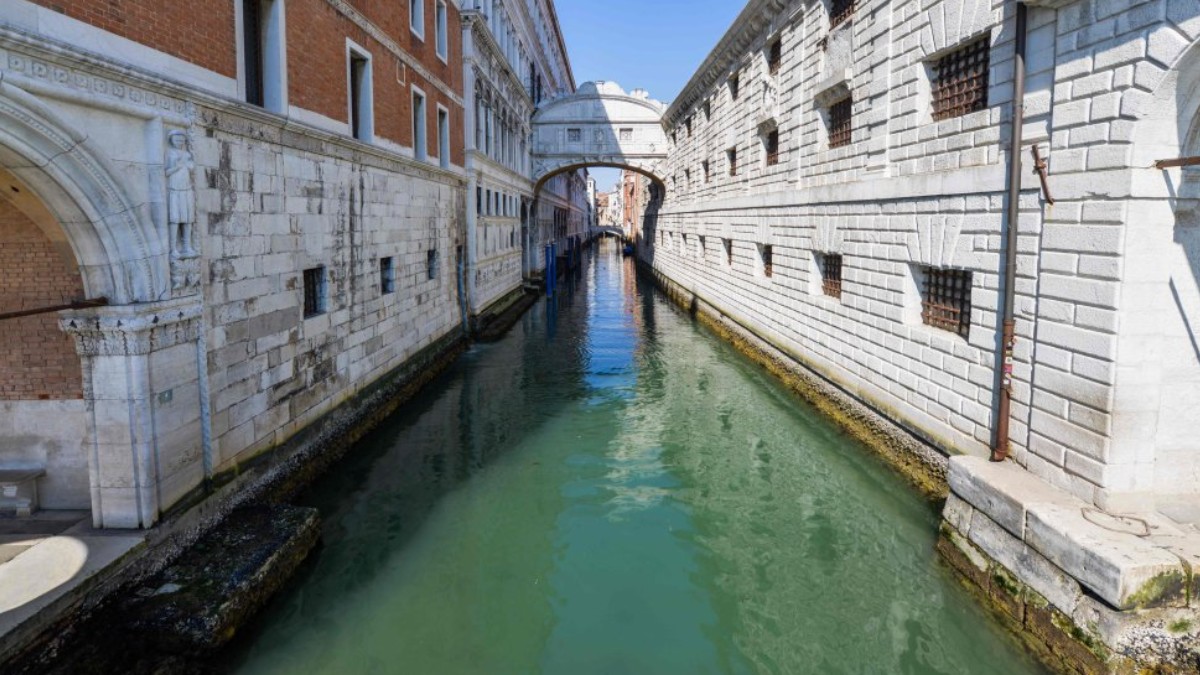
650,44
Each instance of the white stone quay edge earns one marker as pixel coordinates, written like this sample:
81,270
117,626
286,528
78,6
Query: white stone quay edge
1125,568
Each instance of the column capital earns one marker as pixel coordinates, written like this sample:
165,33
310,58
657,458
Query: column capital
133,329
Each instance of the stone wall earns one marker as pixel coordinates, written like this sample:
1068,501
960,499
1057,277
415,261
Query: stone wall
908,191
274,206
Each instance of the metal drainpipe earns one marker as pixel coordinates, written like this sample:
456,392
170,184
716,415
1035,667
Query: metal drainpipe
1009,335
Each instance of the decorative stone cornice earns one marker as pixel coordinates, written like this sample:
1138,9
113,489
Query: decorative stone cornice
126,330
746,29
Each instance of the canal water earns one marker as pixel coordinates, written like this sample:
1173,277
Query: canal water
611,489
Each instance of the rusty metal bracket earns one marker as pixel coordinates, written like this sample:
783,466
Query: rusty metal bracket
1180,161
1039,167
78,304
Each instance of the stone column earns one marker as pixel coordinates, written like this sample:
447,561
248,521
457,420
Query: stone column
141,386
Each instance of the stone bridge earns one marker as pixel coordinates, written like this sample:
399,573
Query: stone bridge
599,125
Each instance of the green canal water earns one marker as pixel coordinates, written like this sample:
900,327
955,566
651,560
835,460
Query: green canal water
611,489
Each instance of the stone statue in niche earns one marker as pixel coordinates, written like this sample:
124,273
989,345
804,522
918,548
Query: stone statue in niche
181,212
181,196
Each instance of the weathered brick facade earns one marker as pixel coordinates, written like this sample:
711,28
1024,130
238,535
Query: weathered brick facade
38,361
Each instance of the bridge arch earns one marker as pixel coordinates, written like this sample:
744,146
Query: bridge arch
600,125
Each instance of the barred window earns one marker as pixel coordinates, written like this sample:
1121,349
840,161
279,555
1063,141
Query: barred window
387,275
768,254
728,251
314,292
732,153
960,83
707,110
775,57
704,164
840,11
431,263
734,85
946,299
841,123
626,134
831,274
574,135
689,127
771,144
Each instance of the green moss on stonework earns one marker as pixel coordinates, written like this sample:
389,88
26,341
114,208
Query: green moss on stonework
1179,627
1088,638
1005,581
1159,591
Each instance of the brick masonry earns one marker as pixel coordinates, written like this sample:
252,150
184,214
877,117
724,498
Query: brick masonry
38,361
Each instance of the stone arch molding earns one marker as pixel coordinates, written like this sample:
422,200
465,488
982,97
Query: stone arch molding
600,125
938,242
953,21
119,252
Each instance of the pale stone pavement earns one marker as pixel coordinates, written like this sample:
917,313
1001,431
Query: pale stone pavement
49,556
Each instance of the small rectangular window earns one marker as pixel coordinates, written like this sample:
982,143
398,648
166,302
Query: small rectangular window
431,263
574,135
728,243
416,17
689,127
361,107
771,146
479,201
735,83
705,166
443,33
960,83
626,134
444,139
840,11
831,274
768,253
387,275
314,292
707,110
841,123
946,299
775,56
732,155
419,122
253,50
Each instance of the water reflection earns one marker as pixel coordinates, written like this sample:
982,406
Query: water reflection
612,490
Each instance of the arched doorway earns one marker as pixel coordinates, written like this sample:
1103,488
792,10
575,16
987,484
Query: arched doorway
42,412
1158,357
130,397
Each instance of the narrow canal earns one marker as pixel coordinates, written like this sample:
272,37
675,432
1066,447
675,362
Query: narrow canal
611,489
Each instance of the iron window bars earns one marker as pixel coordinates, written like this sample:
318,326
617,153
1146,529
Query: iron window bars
841,123
775,57
840,11
772,147
768,260
960,85
314,292
946,300
831,275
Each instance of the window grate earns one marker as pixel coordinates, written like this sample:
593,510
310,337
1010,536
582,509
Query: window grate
946,300
960,84
772,147
732,153
775,57
314,292
840,11
841,123
831,275
734,87
768,260
387,276
728,251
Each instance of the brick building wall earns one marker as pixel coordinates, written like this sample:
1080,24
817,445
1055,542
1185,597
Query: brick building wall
38,361
205,38
317,33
